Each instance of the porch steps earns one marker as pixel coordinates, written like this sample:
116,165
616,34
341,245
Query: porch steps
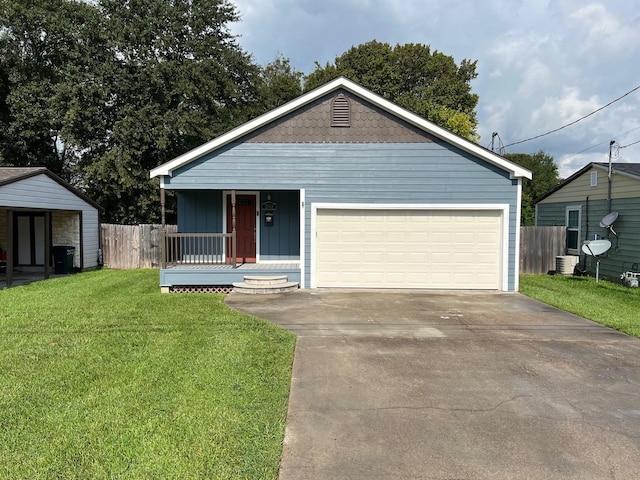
265,285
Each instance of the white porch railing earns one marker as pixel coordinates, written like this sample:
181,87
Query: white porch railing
198,249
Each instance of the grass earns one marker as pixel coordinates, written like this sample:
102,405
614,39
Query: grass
607,303
101,376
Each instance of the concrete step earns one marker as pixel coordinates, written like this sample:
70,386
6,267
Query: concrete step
264,280
248,288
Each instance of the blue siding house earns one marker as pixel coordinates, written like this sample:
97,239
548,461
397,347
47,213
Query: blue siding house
342,188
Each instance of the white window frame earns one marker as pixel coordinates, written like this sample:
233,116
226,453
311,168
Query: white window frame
594,179
578,229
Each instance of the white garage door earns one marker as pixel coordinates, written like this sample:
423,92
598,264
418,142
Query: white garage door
408,249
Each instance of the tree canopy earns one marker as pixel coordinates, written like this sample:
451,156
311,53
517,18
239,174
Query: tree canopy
101,92
429,83
545,177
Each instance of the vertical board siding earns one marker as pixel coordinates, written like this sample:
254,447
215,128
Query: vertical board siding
44,193
539,247
281,241
200,211
132,246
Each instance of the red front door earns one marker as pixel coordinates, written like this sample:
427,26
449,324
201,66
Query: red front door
245,226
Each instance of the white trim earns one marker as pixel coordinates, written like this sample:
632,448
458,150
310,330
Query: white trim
256,194
514,170
503,281
578,207
593,178
302,236
516,271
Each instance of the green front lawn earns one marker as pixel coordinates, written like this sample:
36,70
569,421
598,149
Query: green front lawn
610,304
102,376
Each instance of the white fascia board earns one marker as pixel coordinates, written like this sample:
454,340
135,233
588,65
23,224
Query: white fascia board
515,170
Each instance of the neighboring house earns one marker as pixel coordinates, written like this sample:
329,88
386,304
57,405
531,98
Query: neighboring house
342,188
580,203
38,212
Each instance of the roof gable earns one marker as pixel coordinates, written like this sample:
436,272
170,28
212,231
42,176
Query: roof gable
630,170
314,123
410,119
9,175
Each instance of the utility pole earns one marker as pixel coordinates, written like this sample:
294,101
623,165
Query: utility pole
611,143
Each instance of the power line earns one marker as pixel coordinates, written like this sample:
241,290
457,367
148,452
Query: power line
628,145
575,121
599,144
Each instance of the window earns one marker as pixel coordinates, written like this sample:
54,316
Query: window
574,214
340,112
594,178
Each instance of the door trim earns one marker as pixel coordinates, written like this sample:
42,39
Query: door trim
504,234
33,241
256,195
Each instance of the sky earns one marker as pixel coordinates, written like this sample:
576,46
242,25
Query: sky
541,64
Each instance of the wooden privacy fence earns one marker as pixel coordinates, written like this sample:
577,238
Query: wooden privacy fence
132,246
139,246
539,247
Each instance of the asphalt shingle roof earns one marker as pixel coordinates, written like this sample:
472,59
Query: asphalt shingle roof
7,174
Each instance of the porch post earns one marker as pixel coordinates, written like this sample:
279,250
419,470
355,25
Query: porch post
10,248
233,228
163,238
47,243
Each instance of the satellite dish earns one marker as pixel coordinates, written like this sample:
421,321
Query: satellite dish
609,219
596,247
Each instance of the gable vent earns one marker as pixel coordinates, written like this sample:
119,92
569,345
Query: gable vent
340,111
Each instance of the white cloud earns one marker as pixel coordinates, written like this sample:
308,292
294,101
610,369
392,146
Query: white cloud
604,30
541,63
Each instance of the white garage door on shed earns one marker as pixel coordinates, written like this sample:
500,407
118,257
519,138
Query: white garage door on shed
409,248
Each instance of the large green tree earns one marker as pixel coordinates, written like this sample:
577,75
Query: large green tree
429,83
103,91
176,77
43,45
279,83
545,177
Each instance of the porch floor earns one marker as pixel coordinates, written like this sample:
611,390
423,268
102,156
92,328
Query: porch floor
202,274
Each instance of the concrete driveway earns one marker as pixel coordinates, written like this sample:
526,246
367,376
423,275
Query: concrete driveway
453,385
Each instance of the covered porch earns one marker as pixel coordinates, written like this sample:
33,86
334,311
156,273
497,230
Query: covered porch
225,235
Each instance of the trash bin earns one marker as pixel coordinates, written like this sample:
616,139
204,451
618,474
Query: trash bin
63,259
